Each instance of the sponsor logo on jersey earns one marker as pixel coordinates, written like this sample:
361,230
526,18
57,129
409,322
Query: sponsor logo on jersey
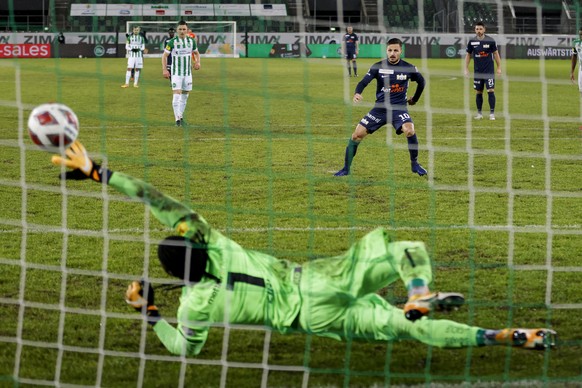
475,43
396,88
386,71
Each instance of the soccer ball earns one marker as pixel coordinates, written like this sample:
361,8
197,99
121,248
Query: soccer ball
52,126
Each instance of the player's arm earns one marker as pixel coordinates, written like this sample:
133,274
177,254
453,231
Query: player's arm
196,56
467,62
370,75
165,56
357,44
166,209
420,84
497,59
183,341
573,67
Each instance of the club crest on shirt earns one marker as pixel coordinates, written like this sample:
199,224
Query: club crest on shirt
401,77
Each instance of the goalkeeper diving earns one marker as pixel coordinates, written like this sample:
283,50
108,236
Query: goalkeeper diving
333,297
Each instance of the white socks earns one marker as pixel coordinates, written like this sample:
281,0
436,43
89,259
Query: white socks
127,76
176,105
136,77
183,102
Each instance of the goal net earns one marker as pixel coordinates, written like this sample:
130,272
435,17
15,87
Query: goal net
215,39
499,210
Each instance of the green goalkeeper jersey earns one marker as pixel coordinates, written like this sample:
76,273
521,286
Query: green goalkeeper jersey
245,286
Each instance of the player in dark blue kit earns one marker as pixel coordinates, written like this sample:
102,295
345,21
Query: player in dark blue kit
392,76
483,49
351,47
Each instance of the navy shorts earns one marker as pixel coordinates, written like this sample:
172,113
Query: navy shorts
351,54
377,118
483,83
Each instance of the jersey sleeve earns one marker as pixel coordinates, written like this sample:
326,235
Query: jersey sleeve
179,342
169,46
370,75
469,48
165,208
419,79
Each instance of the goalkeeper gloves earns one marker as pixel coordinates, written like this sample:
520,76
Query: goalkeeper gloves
82,165
134,296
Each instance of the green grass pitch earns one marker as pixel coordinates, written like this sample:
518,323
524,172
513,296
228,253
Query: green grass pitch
501,215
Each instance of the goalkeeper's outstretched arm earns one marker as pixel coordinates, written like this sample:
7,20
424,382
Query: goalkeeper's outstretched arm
165,208
183,341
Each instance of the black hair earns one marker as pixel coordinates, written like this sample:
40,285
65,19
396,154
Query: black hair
171,29
480,24
395,41
183,258
182,23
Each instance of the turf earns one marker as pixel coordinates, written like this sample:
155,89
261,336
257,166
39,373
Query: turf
500,214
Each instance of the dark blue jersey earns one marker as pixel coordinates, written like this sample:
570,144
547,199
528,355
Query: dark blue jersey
350,41
392,81
482,53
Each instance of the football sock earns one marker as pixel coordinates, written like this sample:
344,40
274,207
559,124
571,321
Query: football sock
417,287
355,68
413,147
487,337
479,100
351,150
136,77
491,96
349,68
183,102
127,76
176,105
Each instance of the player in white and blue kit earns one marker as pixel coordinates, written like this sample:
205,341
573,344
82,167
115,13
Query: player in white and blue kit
483,49
392,76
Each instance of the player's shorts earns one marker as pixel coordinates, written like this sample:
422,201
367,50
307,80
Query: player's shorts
351,54
136,62
483,83
182,82
378,117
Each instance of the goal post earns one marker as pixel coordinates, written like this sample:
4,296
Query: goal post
215,39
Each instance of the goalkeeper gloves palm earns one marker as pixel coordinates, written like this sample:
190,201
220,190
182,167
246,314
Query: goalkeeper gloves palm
83,166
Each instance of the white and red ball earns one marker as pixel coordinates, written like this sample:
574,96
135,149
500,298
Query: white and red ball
52,126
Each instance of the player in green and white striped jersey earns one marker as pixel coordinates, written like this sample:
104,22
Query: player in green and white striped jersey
135,45
577,57
185,56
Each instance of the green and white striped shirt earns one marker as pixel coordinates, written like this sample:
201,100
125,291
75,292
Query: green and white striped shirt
135,45
577,43
181,50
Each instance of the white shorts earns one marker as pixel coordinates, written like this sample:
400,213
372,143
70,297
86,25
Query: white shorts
136,62
182,82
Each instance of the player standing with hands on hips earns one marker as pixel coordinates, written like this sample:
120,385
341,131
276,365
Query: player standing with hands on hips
483,49
351,48
185,56
392,76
